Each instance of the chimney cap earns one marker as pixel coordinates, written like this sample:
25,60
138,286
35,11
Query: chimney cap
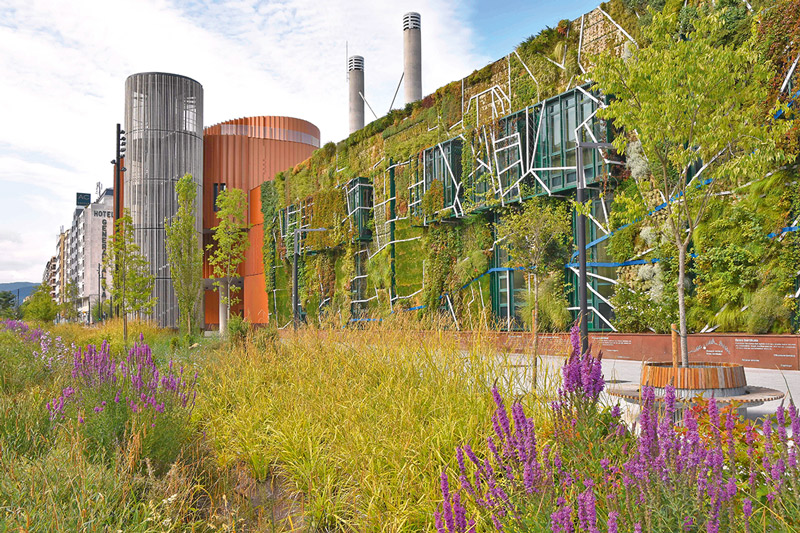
355,63
411,21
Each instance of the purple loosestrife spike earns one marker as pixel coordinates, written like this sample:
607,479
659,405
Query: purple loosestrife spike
612,522
781,420
747,510
795,422
669,400
459,514
437,518
497,525
445,486
713,412
502,414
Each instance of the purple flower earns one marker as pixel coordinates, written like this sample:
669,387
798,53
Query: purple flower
612,522
561,519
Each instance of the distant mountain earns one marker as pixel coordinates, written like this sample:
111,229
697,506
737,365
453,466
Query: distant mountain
25,288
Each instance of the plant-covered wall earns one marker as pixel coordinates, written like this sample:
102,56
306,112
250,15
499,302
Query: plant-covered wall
408,202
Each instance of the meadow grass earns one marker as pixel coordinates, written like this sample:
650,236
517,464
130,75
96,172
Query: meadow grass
329,429
360,421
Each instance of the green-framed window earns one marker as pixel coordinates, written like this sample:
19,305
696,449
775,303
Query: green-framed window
443,163
555,125
359,207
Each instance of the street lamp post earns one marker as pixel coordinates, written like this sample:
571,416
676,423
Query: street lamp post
295,292
118,170
583,296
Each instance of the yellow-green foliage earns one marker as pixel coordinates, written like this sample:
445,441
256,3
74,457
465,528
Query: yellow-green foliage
361,421
111,332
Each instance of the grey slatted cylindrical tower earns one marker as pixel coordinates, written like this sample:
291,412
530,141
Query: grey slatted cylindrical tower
164,125
355,74
412,57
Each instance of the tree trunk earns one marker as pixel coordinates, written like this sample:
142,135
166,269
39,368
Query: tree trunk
535,327
682,304
223,312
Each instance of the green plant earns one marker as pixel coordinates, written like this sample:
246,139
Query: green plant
131,280
238,329
356,420
433,199
227,252
40,306
184,252
669,93
538,237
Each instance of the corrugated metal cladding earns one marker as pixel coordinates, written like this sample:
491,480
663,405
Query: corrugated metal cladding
244,153
164,124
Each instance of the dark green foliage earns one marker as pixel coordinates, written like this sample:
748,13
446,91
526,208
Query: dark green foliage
443,244
238,329
8,303
767,308
433,199
40,305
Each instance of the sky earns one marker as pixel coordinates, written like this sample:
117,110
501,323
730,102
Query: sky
63,67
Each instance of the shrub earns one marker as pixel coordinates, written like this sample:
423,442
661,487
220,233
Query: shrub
114,400
238,329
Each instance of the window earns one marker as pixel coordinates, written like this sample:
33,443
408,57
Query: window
218,188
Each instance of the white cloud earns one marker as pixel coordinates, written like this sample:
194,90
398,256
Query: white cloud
63,66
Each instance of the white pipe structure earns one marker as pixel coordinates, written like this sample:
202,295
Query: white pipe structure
412,57
355,75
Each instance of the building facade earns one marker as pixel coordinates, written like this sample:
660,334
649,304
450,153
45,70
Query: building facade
244,153
77,271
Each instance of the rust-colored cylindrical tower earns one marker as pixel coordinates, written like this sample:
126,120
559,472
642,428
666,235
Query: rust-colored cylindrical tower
244,153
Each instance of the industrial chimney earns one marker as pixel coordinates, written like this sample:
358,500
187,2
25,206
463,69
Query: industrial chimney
355,73
412,57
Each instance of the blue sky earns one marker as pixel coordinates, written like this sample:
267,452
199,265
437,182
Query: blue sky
63,67
501,26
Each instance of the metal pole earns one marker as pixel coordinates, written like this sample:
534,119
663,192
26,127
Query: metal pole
117,166
295,295
583,297
99,294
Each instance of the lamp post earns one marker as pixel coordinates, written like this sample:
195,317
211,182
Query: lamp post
583,296
295,293
118,170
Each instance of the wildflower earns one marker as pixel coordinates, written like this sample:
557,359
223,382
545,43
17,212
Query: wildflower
747,510
612,522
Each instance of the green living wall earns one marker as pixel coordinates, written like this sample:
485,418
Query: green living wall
410,201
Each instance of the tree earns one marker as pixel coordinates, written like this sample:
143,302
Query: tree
185,255
40,305
227,252
537,236
693,107
8,301
131,280
69,305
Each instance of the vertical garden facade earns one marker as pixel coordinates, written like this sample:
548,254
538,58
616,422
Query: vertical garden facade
411,203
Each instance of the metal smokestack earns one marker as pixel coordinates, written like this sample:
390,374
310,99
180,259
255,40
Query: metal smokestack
412,57
355,73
